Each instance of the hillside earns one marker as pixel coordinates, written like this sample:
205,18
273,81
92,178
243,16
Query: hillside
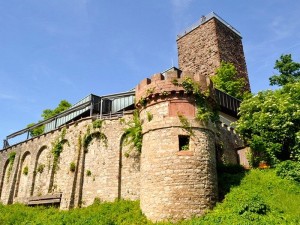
260,198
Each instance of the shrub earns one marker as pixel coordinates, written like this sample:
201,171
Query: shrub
72,167
289,170
88,173
40,168
25,170
230,168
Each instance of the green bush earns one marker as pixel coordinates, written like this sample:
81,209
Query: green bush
72,167
230,168
289,170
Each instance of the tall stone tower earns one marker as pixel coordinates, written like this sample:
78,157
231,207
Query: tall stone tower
203,46
178,163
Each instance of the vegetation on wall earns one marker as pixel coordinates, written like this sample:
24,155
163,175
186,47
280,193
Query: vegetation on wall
185,124
226,79
72,166
11,159
47,114
133,132
94,131
25,170
206,109
57,148
40,168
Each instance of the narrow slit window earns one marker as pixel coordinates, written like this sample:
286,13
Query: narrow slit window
184,142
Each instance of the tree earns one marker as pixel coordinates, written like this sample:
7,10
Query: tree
289,71
270,123
47,114
226,79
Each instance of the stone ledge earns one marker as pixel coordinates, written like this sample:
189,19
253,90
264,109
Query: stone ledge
185,153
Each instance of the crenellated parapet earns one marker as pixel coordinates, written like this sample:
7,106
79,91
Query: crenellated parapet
167,84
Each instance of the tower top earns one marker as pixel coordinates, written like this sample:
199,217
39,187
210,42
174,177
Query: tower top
205,19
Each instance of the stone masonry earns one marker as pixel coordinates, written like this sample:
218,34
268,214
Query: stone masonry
202,50
174,176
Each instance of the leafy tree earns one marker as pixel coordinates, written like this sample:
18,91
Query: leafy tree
47,114
289,71
226,79
270,123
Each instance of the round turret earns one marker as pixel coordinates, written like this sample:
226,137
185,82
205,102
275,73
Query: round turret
178,162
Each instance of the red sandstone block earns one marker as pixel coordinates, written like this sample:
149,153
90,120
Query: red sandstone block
172,75
144,82
157,77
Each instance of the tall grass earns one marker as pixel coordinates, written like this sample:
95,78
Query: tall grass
260,197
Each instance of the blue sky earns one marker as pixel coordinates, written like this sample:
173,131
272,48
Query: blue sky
66,49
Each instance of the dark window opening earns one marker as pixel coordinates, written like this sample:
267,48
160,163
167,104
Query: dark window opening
184,142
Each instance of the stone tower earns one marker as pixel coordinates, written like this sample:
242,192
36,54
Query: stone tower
203,46
178,165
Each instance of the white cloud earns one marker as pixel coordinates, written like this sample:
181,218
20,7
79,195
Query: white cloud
180,5
7,97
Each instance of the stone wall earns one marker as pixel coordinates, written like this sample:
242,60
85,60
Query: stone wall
101,170
176,184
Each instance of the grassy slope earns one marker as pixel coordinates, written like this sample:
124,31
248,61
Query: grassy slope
261,198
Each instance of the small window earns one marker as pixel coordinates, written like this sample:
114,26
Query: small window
184,142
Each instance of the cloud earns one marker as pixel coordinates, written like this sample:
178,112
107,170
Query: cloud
7,97
180,5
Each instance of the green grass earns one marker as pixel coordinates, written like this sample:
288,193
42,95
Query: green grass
257,197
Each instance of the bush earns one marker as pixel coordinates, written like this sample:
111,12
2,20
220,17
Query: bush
289,170
230,168
72,167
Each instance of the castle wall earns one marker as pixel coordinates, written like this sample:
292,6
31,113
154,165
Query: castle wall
106,164
175,183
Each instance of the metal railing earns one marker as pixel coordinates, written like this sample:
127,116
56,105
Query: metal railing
204,19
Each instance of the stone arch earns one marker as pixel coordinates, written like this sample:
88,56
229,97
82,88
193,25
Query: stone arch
22,187
4,189
42,172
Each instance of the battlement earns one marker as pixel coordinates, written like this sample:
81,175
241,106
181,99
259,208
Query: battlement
165,84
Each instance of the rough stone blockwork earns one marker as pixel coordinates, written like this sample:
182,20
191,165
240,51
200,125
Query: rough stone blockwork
81,175
175,175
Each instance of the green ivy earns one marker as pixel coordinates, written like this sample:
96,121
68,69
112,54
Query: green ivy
149,116
96,134
133,132
57,147
40,168
72,167
11,159
185,124
25,170
206,110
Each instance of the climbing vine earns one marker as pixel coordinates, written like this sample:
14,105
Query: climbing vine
89,136
206,110
11,159
133,133
185,124
57,148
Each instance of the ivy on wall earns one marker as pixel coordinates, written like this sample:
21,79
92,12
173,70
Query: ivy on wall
93,132
133,133
11,159
206,109
57,148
